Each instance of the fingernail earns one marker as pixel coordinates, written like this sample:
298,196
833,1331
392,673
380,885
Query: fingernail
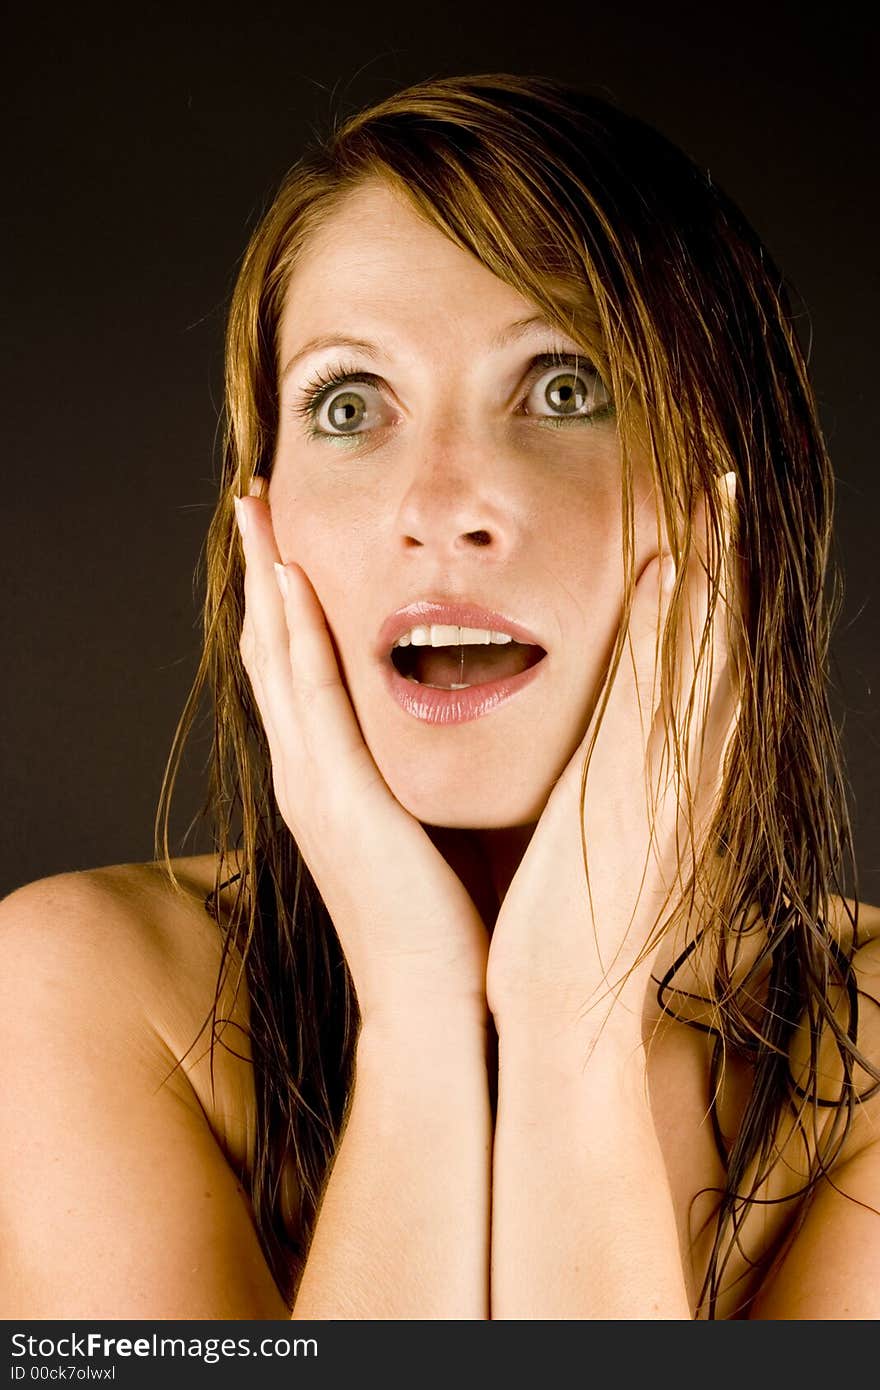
240,515
667,574
730,521
283,581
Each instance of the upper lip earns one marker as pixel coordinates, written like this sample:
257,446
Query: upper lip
451,612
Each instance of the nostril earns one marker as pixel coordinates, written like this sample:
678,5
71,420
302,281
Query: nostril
479,537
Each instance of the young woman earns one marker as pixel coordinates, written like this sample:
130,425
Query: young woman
526,987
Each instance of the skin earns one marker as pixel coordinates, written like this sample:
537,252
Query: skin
569,1193
450,457
598,1161
457,481
447,450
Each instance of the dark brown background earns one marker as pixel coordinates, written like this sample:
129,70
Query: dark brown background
140,150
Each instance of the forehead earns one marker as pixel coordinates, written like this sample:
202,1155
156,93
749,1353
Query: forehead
373,215
375,227
377,255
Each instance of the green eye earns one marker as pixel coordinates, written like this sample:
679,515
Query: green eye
346,411
572,390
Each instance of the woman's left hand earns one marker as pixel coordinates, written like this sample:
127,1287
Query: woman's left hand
559,953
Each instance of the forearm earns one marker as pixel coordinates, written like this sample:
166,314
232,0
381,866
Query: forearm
583,1225
403,1228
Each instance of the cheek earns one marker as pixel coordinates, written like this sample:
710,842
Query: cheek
579,545
334,549
320,533
589,532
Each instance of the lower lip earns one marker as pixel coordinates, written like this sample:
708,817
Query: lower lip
434,706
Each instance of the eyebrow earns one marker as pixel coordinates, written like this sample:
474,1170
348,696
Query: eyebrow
507,335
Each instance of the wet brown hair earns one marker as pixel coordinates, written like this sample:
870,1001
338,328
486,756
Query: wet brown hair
633,251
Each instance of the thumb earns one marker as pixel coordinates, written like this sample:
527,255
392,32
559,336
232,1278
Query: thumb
640,671
632,693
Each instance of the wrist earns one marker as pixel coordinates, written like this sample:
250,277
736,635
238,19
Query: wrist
568,1047
411,1036
416,1012
572,1016
414,1069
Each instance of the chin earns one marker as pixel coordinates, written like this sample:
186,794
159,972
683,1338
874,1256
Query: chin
471,801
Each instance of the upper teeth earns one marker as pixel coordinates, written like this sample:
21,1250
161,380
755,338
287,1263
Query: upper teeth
448,635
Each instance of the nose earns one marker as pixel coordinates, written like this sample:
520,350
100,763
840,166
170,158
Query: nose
453,503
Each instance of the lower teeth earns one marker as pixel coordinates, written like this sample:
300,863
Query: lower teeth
429,686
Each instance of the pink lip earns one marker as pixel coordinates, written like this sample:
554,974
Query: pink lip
434,706
426,612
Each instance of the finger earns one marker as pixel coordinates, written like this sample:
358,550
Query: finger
290,660
293,651
319,698
616,770
622,797
264,612
264,648
634,698
710,664
633,695
724,693
263,638
700,704
702,645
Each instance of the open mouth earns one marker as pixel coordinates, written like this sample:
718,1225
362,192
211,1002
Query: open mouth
461,665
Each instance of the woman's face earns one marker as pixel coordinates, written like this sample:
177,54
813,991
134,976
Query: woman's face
442,479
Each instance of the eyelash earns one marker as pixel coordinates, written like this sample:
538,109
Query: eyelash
310,399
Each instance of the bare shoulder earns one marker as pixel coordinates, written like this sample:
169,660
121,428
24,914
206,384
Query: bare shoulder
866,965
831,1267
117,914
868,952
131,907
861,929
121,1193
124,933
856,927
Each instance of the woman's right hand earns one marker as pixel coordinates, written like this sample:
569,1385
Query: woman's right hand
413,939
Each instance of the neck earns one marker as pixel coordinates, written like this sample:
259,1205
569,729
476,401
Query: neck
485,861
